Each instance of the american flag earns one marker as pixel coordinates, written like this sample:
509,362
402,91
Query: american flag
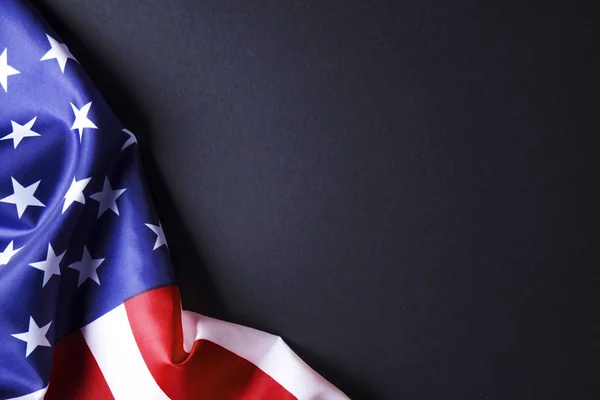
89,303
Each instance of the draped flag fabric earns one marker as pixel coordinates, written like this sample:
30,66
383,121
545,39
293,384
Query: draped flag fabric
89,308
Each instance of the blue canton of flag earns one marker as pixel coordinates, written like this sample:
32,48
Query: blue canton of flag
75,223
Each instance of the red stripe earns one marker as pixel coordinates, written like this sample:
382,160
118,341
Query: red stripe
208,372
75,372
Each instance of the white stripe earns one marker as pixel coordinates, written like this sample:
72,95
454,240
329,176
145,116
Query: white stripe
113,345
39,395
266,351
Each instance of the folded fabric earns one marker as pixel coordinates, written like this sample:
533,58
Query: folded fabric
89,303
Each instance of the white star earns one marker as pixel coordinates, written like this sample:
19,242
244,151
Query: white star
160,235
5,70
20,132
23,197
8,253
107,198
50,266
75,193
81,119
87,267
34,337
131,140
59,51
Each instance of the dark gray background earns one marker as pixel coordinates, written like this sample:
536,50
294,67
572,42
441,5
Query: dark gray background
406,191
